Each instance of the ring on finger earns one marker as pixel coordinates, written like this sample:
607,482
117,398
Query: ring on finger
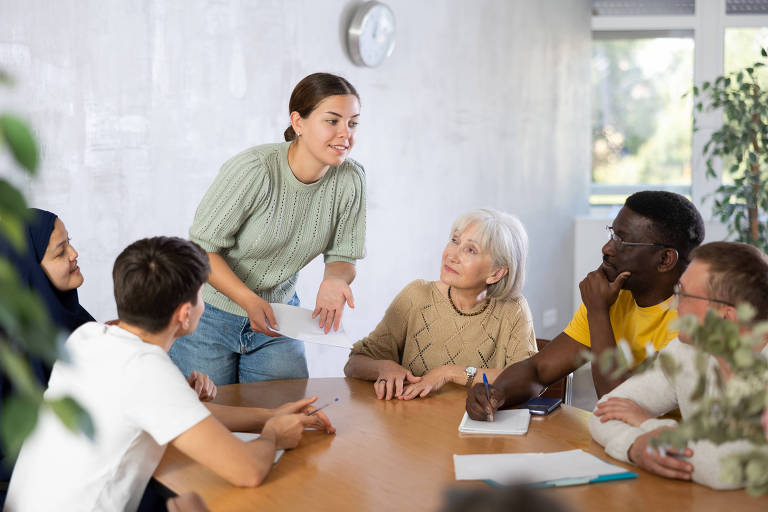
381,380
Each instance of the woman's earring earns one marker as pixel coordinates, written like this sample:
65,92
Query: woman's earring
298,134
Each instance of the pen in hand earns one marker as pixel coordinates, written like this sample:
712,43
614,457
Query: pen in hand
488,396
323,406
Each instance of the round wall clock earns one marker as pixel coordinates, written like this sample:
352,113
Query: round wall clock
371,34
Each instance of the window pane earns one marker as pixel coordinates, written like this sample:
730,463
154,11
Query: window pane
742,47
641,125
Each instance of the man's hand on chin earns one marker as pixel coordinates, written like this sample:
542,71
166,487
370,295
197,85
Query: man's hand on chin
597,292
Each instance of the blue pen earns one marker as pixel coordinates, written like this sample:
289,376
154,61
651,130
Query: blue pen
565,482
323,406
488,396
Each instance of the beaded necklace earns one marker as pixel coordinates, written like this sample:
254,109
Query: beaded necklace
485,306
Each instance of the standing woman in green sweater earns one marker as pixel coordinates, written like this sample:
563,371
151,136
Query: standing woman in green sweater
270,211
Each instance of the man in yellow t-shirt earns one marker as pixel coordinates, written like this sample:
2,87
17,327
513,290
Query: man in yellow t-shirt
638,325
627,297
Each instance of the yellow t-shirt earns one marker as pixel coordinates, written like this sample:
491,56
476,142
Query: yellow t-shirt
639,326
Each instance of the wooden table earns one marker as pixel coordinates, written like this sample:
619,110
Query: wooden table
397,455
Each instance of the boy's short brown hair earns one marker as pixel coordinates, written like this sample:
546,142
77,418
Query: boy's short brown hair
153,276
738,273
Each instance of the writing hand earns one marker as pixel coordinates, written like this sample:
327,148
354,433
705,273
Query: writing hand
304,406
664,464
478,406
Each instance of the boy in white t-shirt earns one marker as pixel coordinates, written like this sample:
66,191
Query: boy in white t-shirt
139,401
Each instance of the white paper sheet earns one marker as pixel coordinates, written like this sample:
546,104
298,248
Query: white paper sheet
249,436
297,323
513,421
531,467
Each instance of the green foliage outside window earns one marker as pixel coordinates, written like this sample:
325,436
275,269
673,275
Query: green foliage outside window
640,130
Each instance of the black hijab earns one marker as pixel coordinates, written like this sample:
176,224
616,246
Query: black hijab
63,306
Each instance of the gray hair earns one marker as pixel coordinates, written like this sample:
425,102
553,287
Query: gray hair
503,236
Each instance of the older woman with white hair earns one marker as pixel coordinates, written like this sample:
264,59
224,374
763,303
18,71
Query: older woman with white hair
474,320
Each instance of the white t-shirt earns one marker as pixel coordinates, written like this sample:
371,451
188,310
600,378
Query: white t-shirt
138,401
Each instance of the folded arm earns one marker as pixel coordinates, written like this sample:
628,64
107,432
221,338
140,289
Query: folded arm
651,391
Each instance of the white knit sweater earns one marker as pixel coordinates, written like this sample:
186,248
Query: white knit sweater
653,391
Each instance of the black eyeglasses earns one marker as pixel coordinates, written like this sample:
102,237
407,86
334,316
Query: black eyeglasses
678,291
619,243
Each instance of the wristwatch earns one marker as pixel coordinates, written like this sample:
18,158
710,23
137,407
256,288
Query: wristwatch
470,371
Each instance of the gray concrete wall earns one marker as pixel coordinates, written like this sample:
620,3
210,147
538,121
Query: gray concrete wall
137,104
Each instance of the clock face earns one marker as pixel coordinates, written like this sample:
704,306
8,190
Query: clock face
371,34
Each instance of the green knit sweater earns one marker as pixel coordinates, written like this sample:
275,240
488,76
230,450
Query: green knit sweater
267,225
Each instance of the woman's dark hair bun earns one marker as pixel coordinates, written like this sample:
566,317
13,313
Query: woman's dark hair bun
289,134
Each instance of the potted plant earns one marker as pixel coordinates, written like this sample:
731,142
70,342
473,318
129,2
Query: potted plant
740,143
25,328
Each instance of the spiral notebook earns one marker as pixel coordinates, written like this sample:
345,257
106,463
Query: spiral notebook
513,421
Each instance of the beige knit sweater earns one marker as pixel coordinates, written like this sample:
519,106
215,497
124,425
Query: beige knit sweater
421,331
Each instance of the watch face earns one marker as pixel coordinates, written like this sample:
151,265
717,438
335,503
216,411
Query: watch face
372,34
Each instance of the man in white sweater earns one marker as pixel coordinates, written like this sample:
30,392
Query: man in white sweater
720,276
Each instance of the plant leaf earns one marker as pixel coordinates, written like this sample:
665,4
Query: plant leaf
19,373
5,78
17,422
73,415
20,141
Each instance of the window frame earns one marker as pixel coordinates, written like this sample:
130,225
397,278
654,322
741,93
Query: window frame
708,26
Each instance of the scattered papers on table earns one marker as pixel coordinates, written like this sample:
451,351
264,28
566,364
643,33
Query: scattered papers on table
297,323
513,421
531,467
248,436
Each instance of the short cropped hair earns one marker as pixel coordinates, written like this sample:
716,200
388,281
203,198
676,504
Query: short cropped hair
153,276
675,219
504,237
738,273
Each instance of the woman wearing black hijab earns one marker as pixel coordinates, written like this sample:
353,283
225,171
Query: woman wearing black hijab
49,266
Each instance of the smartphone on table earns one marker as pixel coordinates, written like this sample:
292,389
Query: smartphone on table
542,405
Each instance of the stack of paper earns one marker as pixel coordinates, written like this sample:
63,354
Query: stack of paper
297,323
534,467
513,421
248,436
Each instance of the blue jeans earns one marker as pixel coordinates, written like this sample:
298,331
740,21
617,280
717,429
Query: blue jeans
225,347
